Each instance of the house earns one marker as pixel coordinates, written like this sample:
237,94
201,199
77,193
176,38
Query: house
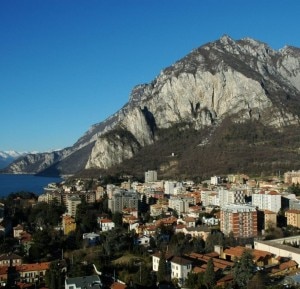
155,261
143,240
210,221
188,221
69,224
180,268
10,259
91,282
293,218
32,273
18,230
105,224
201,231
91,238
284,268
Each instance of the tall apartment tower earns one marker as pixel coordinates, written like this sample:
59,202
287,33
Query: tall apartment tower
123,199
72,203
150,176
241,220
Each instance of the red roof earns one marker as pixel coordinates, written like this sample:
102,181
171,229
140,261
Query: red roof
33,267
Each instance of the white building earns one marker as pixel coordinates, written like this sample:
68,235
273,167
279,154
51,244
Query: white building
267,200
236,196
180,268
209,198
180,204
150,176
278,249
105,224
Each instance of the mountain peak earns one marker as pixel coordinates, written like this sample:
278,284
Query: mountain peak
241,80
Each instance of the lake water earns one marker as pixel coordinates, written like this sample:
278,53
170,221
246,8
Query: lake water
29,183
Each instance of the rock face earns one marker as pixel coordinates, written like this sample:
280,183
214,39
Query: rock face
244,79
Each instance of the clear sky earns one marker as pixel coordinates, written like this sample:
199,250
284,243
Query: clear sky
68,64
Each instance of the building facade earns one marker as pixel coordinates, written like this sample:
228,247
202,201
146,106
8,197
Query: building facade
267,200
241,220
123,199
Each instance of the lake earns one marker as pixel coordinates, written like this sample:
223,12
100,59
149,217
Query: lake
29,183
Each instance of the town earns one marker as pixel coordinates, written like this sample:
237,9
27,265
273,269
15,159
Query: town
231,231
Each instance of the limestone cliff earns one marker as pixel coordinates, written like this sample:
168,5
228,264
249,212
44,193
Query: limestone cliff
244,79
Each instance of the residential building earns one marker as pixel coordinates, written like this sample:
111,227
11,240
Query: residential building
241,220
32,273
69,224
105,224
123,199
267,200
10,259
278,249
72,203
270,219
150,176
226,197
18,230
180,268
209,198
293,218
292,177
91,238
197,232
180,204
158,209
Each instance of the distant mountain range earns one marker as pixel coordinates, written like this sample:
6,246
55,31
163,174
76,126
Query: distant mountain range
7,157
228,106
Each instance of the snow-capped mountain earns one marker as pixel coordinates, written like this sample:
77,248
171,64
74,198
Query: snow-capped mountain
7,157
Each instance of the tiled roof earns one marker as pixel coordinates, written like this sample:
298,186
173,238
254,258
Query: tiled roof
288,264
9,257
218,263
105,221
269,212
33,267
117,285
239,250
180,261
293,211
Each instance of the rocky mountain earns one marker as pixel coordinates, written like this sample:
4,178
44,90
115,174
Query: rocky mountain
220,94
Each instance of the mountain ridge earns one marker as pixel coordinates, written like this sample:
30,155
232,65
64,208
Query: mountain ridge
243,80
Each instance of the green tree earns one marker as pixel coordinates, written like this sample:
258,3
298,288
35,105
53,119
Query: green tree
117,218
243,269
55,276
209,277
143,276
162,268
215,238
198,245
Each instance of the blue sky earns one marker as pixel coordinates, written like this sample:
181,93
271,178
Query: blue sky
68,64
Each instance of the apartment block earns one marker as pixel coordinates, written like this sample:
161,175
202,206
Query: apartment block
293,218
236,196
123,199
267,200
150,176
241,220
180,204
